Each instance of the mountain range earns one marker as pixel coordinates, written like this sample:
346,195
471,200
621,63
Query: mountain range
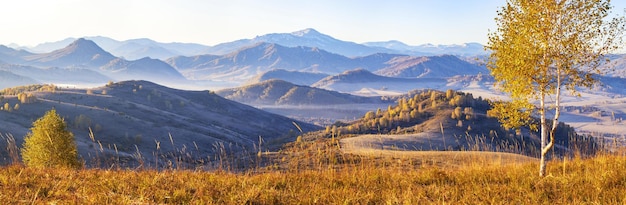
467,49
139,48
248,62
303,57
295,77
132,49
306,56
83,61
312,38
429,66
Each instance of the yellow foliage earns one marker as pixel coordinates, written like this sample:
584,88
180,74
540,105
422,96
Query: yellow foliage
50,144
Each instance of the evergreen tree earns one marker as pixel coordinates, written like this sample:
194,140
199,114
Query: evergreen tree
50,144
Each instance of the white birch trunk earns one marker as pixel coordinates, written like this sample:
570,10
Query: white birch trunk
544,135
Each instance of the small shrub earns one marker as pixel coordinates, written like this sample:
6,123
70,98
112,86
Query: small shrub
50,144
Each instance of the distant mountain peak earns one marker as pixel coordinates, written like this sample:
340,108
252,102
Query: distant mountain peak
306,32
81,52
82,41
84,45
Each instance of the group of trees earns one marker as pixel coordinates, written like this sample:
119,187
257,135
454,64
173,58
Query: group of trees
412,110
26,98
28,88
24,95
466,113
23,98
7,107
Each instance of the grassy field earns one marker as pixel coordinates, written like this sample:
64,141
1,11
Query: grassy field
598,180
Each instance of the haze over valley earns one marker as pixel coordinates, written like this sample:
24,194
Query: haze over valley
313,102
266,90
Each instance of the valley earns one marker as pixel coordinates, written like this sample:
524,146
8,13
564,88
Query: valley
313,102
253,95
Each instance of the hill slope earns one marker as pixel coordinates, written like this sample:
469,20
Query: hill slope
12,56
363,82
279,92
80,53
56,75
431,66
144,69
295,77
433,120
9,79
134,116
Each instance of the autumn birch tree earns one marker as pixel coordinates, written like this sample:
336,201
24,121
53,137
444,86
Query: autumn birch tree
542,47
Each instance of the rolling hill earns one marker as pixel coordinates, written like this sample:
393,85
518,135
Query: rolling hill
133,117
192,62
279,92
429,66
9,79
12,56
144,69
55,75
363,82
295,77
453,121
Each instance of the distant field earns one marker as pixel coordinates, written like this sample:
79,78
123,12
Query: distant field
381,146
449,158
405,142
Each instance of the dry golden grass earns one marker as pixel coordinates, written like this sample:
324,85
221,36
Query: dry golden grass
318,172
448,158
599,180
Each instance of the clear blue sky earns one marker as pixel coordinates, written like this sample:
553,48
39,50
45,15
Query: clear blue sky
29,22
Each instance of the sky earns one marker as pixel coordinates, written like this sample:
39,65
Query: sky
209,22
